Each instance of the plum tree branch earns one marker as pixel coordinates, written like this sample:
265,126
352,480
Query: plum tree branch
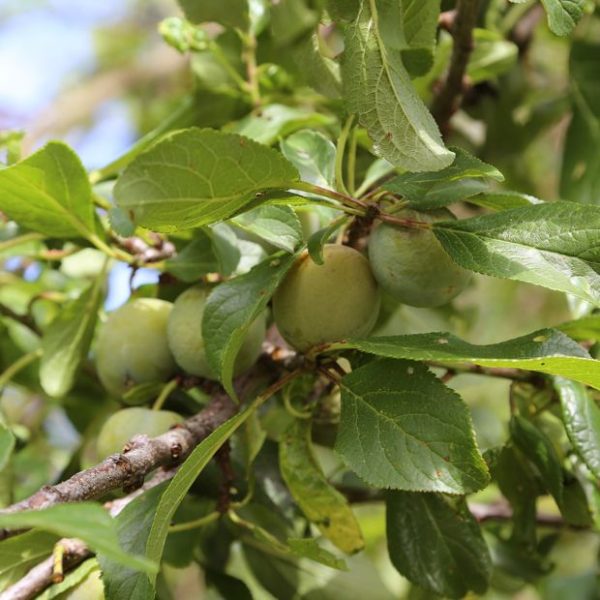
128,469
449,97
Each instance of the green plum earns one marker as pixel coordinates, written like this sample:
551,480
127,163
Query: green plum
324,303
411,264
124,424
186,341
132,346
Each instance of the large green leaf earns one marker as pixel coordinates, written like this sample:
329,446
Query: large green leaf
86,521
378,88
49,192
67,340
183,480
437,543
233,306
465,177
563,15
322,504
547,351
198,176
233,13
402,428
554,245
581,417
133,527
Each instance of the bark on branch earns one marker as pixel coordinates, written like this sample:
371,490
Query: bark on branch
128,469
448,100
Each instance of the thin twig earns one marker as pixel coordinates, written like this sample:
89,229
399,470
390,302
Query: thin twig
448,100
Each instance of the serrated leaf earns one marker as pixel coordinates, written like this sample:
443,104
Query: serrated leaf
465,177
277,225
539,450
322,504
313,155
86,521
183,480
133,527
563,15
195,260
554,245
67,340
49,192
437,544
581,417
547,351
378,88
233,13
196,177
318,239
402,428
233,306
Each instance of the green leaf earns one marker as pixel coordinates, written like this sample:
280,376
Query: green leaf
437,544
322,504
320,72
198,176
7,443
183,480
586,328
276,121
491,56
563,15
547,351
313,155
574,507
133,527
19,552
67,340
278,225
503,200
86,521
233,306
378,88
195,260
465,177
233,13
225,246
539,450
553,245
71,580
292,19
318,239
581,417
309,548
402,428
580,176
49,192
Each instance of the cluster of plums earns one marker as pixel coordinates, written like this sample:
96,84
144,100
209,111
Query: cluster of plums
146,339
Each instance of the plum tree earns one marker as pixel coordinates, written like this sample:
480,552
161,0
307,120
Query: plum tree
186,341
132,346
322,303
124,424
412,266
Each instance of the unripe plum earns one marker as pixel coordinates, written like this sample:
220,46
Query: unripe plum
132,346
324,303
186,341
411,264
124,424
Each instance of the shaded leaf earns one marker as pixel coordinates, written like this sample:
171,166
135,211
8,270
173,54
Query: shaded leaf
563,15
437,544
313,155
308,548
195,260
402,428
233,13
318,239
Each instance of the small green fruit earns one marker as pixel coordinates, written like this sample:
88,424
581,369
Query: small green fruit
411,264
324,303
124,424
186,341
132,346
